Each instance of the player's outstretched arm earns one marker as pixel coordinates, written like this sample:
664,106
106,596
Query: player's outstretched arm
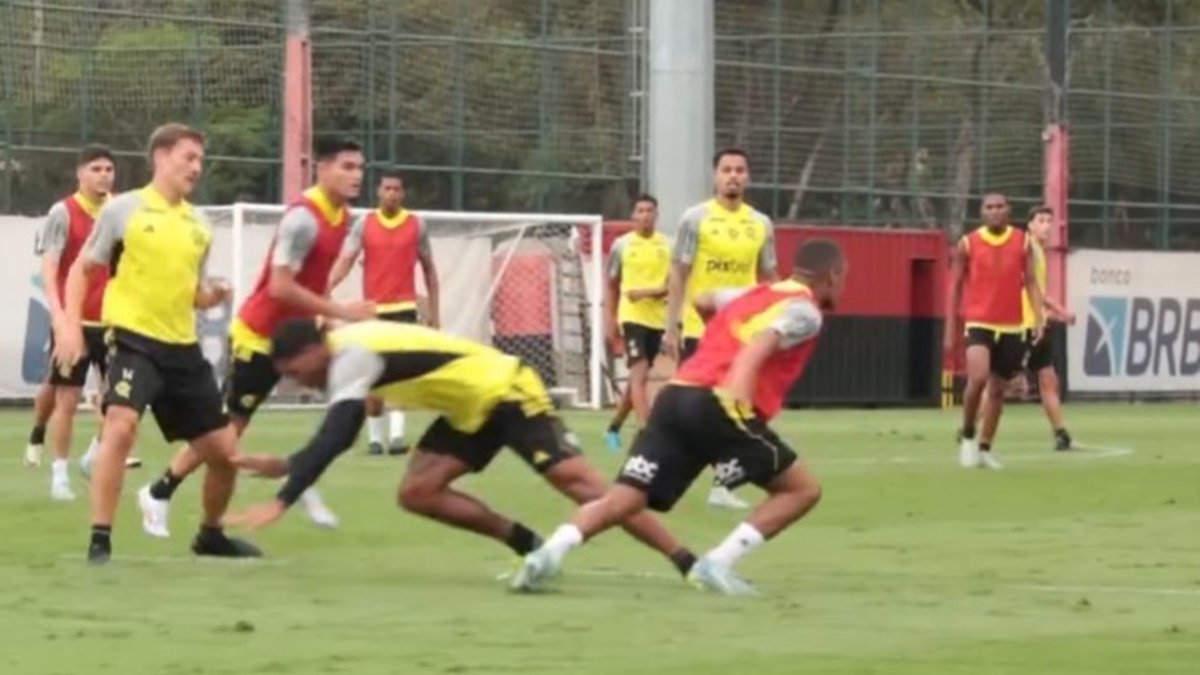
293,242
709,303
433,293
351,248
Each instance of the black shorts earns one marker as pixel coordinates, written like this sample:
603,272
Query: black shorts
527,424
1041,353
642,343
399,316
96,354
690,428
174,381
249,381
687,348
1007,350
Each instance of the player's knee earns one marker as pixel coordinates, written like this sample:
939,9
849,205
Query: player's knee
418,496
577,479
67,398
120,426
809,491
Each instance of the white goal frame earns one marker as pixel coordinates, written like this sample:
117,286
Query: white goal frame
591,264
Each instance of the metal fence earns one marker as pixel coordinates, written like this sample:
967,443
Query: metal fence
885,113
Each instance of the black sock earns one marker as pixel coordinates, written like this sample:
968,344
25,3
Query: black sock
211,531
38,435
164,487
683,559
1062,433
613,427
968,432
102,535
523,540
985,447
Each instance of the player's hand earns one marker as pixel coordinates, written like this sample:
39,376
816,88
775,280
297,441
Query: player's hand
1069,318
68,345
637,294
358,310
220,289
670,343
258,516
949,341
1035,335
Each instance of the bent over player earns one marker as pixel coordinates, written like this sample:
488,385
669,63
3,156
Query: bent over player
292,283
991,267
392,241
716,412
487,400
155,244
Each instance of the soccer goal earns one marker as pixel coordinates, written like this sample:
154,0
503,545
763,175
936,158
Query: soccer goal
528,284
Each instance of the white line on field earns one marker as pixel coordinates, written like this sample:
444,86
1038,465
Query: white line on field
1117,590
1082,453
183,560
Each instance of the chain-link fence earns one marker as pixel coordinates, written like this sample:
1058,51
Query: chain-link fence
874,112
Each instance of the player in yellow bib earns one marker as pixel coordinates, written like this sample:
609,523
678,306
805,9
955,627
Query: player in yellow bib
155,244
1040,355
636,304
486,400
722,243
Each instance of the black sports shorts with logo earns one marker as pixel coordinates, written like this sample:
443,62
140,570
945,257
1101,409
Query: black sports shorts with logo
95,354
1007,350
691,428
175,381
642,343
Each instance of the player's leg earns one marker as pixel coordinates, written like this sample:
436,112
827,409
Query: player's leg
376,426
97,347
396,443
442,456
394,424
719,496
134,382
1041,363
544,443
68,387
190,409
978,366
1007,361
612,435
43,407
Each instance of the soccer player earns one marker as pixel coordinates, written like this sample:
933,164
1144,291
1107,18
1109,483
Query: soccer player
293,283
66,228
991,265
486,400
392,241
722,243
154,245
635,301
716,411
1040,358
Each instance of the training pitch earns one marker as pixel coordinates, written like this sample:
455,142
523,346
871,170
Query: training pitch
1084,562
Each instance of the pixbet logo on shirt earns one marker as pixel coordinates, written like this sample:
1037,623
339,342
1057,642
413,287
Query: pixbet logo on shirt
1134,336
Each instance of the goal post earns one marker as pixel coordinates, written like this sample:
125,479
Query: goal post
528,284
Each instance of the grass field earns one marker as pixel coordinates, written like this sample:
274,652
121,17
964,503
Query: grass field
1082,563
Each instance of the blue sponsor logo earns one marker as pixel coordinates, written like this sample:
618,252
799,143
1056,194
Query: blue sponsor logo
1135,336
35,359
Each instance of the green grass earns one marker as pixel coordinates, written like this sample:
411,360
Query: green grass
1080,563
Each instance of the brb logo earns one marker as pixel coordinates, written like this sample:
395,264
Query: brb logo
1140,336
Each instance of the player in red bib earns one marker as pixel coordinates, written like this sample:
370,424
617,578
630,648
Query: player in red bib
292,284
715,411
67,227
392,241
993,266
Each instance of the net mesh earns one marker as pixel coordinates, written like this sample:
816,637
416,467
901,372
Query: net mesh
521,284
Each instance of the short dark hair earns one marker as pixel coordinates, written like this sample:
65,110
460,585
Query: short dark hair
93,152
169,135
646,197
328,148
816,257
293,336
1039,210
391,173
728,152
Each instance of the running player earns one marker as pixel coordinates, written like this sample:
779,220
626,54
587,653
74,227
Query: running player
638,266
67,227
486,400
293,283
991,266
392,241
716,411
154,244
722,243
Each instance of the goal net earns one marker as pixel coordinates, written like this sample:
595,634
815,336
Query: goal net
527,284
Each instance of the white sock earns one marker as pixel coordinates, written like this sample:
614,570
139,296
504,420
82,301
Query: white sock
396,417
742,540
376,426
58,471
565,538
91,450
